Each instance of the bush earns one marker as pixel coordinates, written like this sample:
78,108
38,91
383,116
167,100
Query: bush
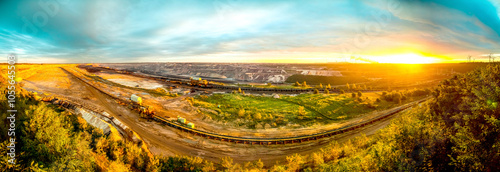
241,113
257,116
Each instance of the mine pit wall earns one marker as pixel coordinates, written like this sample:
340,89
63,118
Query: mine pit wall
101,120
93,120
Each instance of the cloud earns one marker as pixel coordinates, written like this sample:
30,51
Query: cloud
110,31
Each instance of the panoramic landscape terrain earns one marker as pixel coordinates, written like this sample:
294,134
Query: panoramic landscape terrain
250,86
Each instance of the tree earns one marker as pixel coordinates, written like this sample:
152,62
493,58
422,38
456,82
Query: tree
317,159
259,164
354,87
297,84
320,85
294,162
269,84
239,90
227,162
398,99
347,86
467,104
257,116
304,84
328,86
241,112
302,112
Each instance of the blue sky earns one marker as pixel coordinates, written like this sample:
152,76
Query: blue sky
247,31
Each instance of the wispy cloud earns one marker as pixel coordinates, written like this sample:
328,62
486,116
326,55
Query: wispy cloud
230,30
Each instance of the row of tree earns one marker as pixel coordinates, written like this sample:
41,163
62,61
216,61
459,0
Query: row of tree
458,130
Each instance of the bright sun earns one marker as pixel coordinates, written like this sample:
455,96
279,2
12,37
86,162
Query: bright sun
407,59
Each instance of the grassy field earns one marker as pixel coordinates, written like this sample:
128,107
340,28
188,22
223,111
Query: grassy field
252,111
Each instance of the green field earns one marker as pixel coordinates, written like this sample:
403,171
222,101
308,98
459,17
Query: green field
302,110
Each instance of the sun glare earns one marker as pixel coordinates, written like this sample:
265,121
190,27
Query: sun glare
407,59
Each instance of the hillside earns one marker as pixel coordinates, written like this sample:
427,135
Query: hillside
458,130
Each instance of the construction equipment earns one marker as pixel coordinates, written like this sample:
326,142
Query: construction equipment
136,99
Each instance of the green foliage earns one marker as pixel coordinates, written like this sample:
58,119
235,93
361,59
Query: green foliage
317,107
459,130
180,163
49,138
467,104
241,112
257,116
335,80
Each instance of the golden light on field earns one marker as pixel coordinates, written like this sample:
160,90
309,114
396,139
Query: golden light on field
410,58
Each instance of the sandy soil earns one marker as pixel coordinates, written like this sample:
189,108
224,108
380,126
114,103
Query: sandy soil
163,140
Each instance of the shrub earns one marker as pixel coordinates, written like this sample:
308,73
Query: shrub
257,116
241,112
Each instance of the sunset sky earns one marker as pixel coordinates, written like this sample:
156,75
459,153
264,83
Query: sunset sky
387,31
